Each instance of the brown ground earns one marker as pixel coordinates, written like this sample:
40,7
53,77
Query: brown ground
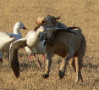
82,13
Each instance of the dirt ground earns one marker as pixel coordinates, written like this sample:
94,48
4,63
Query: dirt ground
80,13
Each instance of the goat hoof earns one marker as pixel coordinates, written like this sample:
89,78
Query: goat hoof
61,74
45,76
77,81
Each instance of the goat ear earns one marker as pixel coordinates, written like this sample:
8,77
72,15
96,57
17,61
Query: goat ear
54,19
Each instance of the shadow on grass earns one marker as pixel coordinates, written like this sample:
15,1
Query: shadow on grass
91,65
28,65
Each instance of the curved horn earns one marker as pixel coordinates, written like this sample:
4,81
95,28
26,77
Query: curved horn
72,28
62,29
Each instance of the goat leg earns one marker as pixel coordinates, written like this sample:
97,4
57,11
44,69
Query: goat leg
48,64
78,66
62,69
63,65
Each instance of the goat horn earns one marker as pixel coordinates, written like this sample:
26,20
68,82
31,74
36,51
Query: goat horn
72,28
62,29
65,30
68,30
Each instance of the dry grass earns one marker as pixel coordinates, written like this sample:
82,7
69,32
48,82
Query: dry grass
84,13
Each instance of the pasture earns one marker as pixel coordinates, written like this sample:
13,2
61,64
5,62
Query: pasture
80,13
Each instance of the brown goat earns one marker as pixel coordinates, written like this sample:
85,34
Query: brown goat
65,44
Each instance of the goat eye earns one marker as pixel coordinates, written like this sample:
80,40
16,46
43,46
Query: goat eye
43,22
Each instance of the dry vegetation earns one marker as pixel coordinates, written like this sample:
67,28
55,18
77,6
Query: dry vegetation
82,13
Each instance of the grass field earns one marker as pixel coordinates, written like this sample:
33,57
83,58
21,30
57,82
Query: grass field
80,13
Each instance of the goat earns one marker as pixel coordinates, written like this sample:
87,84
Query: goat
65,44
